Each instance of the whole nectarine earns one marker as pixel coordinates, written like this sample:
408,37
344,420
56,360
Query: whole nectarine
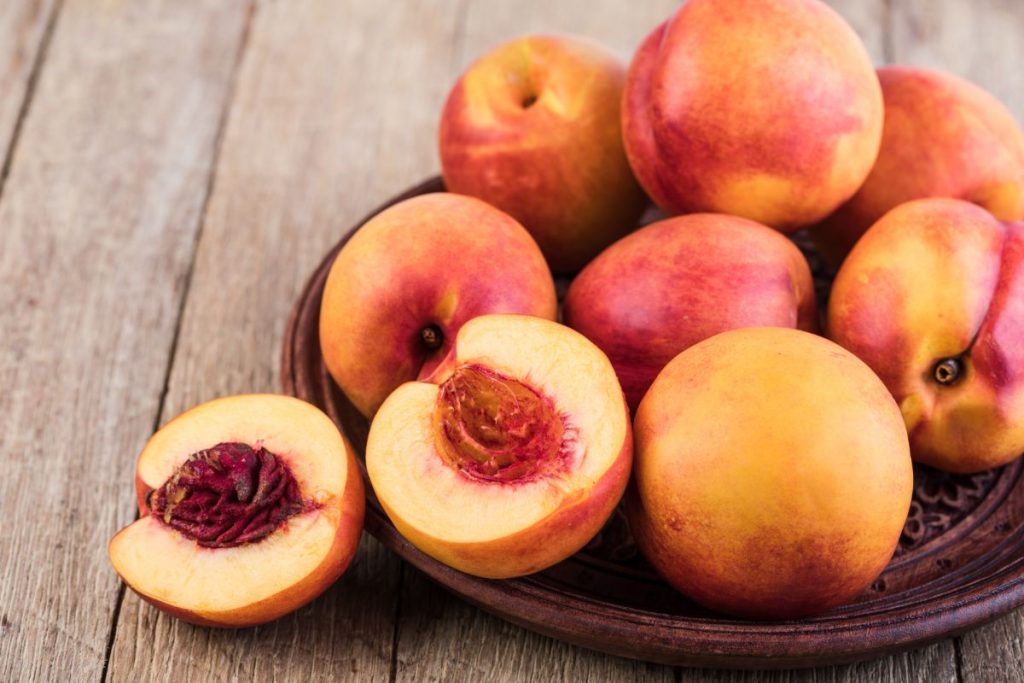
533,128
943,137
673,283
766,109
932,298
772,475
399,290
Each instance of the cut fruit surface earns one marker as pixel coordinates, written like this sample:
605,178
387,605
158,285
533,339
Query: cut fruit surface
250,507
514,458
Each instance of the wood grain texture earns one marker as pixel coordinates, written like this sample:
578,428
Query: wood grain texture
982,41
23,25
98,219
934,664
335,106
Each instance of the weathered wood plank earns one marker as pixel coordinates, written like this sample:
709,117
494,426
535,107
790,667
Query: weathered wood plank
994,653
934,664
981,41
98,219
24,25
334,111
444,639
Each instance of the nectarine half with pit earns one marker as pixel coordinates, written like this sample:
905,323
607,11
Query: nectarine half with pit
943,137
772,476
533,127
251,506
766,109
399,290
513,457
678,281
932,298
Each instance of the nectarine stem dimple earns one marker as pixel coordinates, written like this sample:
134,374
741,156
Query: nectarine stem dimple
496,428
947,371
228,495
432,337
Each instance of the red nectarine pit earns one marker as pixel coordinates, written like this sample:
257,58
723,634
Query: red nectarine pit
496,428
228,495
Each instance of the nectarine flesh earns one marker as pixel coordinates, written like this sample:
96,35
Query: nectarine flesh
512,457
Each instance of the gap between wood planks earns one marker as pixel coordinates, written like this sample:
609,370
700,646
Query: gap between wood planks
172,352
30,88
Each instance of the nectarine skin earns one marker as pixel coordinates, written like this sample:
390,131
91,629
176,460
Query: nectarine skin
932,298
772,474
533,128
531,550
943,137
765,109
673,283
428,264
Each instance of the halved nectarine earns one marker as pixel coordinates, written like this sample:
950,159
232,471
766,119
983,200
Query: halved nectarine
513,458
251,507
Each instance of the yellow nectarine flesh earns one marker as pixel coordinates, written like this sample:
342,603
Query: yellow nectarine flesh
514,458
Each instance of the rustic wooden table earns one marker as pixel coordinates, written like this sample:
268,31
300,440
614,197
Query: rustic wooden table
172,171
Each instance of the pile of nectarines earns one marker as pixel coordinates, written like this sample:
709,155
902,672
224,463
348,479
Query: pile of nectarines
767,470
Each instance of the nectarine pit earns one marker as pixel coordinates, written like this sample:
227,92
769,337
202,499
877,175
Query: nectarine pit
496,428
228,495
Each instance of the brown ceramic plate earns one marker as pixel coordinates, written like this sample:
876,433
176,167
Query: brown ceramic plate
959,563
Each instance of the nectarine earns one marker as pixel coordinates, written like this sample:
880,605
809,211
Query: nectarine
932,298
399,290
772,476
533,128
943,137
766,109
678,281
251,506
514,458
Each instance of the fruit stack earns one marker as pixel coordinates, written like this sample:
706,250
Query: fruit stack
762,450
